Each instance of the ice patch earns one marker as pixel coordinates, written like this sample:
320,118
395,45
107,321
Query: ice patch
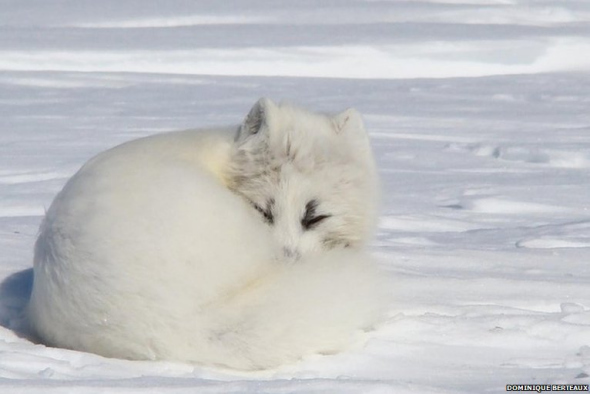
523,154
20,210
30,177
415,241
422,224
72,83
552,243
494,205
562,159
394,61
413,137
473,202
177,21
511,98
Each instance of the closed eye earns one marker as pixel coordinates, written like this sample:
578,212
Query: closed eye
266,213
311,218
309,223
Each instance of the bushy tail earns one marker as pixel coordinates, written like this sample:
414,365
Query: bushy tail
313,306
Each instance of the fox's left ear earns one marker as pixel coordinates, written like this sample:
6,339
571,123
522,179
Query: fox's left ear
350,123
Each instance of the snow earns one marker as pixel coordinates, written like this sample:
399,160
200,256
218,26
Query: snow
478,113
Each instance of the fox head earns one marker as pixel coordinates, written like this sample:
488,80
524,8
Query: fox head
311,177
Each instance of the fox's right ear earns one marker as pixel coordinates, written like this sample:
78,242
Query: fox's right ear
258,117
349,122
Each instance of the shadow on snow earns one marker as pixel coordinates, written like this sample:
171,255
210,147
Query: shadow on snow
15,292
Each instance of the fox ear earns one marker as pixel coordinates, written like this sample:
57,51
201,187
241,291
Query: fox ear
349,122
257,117
349,125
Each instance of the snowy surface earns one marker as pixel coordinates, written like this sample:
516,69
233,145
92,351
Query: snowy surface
479,116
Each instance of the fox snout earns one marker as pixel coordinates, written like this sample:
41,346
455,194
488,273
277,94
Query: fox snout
291,254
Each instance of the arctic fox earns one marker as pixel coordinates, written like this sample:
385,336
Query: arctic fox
236,247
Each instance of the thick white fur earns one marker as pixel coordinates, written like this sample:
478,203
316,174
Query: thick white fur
289,156
146,254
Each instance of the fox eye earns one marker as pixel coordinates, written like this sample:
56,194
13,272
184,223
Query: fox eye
312,222
266,213
311,218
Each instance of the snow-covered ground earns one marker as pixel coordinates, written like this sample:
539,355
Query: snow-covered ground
479,117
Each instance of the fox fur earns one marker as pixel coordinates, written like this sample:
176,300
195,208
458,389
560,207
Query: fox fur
238,247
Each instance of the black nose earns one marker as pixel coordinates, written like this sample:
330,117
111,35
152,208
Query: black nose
291,254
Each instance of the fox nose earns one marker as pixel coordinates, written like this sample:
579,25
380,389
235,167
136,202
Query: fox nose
291,254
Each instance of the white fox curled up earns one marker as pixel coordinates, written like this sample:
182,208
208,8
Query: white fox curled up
240,247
